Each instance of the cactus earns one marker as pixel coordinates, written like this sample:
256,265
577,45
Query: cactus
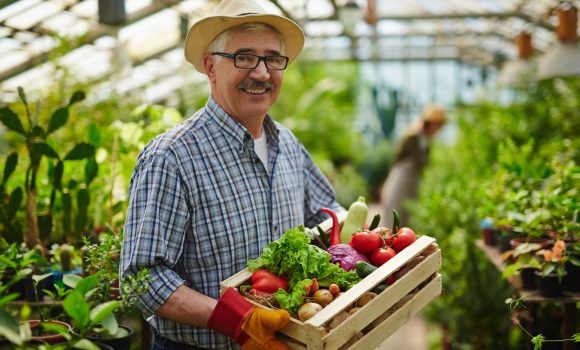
65,258
39,249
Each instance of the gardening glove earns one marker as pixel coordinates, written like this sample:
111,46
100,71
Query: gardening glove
253,329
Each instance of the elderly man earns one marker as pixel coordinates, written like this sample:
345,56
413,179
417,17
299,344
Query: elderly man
211,193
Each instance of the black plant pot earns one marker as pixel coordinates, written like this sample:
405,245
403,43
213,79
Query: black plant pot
504,241
571,281
28,286
550,285
117,343
529,279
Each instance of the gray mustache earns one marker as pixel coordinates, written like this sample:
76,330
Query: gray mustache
256,84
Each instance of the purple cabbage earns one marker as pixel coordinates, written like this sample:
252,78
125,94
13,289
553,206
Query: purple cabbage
346,256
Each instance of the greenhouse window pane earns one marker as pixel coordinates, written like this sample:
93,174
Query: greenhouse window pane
12,59
17,7
32,16
86,8
132,6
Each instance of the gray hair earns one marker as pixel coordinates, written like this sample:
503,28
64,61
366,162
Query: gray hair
219,43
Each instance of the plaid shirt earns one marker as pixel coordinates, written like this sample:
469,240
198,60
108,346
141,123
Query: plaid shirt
202,204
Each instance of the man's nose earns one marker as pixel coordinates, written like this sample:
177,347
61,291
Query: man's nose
260,72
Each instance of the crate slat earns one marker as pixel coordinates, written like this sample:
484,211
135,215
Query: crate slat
371,281
379,305
378,335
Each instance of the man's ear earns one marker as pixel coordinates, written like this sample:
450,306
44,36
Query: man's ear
210,67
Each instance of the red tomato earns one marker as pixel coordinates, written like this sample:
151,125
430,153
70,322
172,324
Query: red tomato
366,242
386,234
390,280
381,256
405,237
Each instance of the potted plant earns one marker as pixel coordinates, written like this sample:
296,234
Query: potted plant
64,264
101,260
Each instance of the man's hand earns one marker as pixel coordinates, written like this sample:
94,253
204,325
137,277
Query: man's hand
253,329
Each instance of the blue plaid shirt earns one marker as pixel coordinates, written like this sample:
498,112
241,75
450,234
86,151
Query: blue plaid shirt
202,204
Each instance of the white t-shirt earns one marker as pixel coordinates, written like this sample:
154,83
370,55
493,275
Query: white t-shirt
261,148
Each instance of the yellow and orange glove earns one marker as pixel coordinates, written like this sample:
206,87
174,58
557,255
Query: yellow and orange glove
253,329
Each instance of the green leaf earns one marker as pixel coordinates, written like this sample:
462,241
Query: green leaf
58,119
39,278
66,217
55,327
49,293
8,321
85,344
574,260
103,310
12,336
14,203
375,222
110,323
526,248
549,268
86,284
75,306
8,262
9,166
9,298
81,151
44,149
77,96
91,169
11,120
25,312
511,269
71,280
576,337
94,135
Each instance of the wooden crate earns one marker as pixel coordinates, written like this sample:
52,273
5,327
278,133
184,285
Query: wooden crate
312,333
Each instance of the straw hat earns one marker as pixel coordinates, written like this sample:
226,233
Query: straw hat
231,13
434,113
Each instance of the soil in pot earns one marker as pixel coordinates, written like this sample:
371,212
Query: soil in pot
121,340
549,285
488,236
50,337
529,279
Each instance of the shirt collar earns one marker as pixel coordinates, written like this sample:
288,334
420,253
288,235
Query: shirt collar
233,129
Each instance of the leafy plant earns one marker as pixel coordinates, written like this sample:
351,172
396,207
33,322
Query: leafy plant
35,138
538,340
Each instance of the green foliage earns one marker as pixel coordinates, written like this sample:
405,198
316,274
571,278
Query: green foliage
466,182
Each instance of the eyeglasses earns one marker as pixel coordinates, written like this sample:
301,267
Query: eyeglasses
247,61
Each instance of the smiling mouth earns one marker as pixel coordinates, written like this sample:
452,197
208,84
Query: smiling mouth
255,91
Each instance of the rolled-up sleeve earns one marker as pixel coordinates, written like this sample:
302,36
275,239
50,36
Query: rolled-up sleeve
318,193
155,227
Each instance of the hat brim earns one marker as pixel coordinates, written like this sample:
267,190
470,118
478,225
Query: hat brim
203,32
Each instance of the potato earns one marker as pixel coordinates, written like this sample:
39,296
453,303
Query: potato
354,310
365,299
349,307
308,310
323,297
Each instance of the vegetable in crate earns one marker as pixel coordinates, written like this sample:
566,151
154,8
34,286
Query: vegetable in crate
355,220
292,255
266,283
346,256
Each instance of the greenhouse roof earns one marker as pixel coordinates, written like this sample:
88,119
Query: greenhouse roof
146,47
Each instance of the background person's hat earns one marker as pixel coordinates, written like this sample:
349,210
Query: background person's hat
434,113
231,13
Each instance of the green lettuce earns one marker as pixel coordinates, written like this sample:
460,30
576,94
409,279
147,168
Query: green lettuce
293,300
293,255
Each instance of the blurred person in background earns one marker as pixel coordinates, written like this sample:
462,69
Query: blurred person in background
412,156
214,191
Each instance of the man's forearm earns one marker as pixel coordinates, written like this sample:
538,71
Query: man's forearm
188,307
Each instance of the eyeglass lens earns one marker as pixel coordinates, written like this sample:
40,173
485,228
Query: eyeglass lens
249,61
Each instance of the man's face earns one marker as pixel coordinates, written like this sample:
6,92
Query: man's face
232,84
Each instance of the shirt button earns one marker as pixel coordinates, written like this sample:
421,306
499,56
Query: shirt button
276,228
